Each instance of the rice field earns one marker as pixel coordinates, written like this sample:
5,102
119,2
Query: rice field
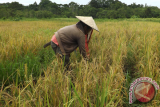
31,76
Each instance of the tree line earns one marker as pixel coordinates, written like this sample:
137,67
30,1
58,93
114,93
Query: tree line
111,9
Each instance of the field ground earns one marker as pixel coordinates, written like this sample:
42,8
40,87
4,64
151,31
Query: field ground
124,50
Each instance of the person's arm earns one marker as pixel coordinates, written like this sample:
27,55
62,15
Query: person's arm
81,44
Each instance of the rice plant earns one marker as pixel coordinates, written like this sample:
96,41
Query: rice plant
120,53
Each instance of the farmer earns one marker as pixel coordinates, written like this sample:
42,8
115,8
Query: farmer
68,38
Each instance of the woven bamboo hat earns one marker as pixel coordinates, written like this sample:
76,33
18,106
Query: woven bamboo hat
88,21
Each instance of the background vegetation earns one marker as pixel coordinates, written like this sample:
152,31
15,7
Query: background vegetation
111,9
31,76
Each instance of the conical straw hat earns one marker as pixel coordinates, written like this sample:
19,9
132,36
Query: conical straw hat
89,21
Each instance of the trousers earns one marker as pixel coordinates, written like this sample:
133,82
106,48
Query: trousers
64,58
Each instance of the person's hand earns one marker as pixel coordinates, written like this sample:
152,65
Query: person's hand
88,56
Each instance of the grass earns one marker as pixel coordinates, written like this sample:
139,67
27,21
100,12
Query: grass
122,51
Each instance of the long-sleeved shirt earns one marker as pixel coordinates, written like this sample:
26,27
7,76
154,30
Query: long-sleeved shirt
71,37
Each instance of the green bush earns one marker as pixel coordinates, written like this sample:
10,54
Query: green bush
134,16
43,14
4,18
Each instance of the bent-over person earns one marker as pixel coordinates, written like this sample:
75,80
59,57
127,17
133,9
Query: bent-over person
68,38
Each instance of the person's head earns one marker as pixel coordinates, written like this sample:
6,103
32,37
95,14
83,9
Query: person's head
87,28
88,23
